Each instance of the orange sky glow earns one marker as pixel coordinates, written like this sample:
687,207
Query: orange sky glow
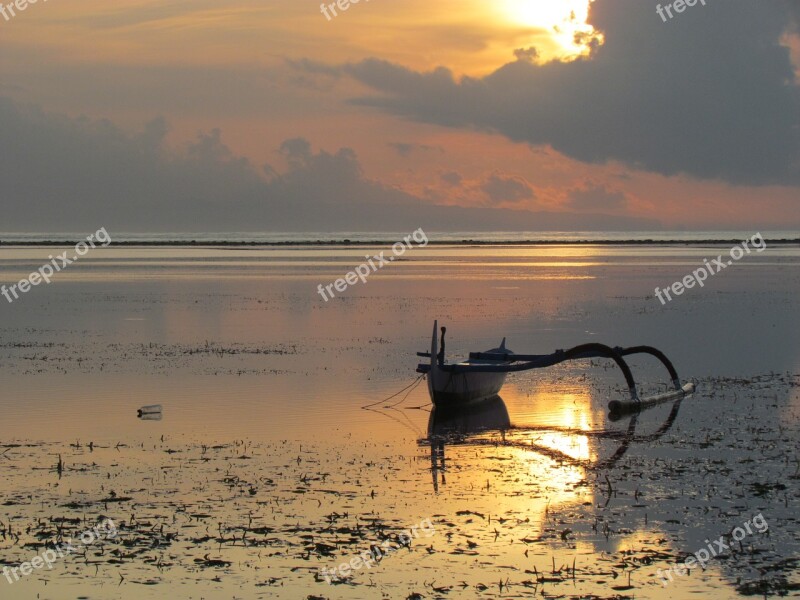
203,64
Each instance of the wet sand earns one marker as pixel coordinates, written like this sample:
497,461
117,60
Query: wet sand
264,469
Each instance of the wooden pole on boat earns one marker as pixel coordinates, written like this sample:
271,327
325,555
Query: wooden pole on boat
433,373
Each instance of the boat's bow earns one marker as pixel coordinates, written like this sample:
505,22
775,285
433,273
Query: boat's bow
459,382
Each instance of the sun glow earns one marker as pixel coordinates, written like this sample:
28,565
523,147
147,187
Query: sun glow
563,20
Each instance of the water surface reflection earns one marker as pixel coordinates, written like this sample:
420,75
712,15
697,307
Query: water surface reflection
469,425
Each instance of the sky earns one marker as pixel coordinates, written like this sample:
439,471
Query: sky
268,115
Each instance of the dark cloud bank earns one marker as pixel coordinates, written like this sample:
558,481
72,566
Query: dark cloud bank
62,174
710,93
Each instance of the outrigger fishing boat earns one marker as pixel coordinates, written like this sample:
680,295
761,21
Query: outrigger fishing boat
483,374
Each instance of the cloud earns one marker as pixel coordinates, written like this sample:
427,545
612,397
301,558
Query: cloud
67,173
62,174
529,54
596,198
506,188
452,178
406,149
711,94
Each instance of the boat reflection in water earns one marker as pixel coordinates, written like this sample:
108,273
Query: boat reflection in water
466,425
454,424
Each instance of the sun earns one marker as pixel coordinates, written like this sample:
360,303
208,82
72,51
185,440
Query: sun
546,12
563,20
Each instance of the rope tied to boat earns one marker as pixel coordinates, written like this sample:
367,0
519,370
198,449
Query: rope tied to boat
411,385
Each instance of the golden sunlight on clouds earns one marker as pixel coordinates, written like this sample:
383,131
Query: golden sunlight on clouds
469,36
565,21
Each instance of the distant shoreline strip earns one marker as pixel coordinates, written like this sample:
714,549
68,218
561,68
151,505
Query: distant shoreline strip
356,243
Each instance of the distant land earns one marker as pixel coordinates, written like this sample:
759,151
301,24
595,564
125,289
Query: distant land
375,237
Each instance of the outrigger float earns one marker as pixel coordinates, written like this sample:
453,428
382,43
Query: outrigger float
483,374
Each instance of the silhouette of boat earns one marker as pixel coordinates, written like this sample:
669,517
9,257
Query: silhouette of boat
483,374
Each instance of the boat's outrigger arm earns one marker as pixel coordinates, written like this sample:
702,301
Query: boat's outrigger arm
592,350
676,381
540,361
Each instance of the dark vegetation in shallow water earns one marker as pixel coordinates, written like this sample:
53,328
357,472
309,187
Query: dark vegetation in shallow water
201,359
509,518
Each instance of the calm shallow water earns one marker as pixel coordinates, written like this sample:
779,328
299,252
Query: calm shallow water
263,451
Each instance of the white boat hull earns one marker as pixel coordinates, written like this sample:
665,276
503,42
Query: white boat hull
458,388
